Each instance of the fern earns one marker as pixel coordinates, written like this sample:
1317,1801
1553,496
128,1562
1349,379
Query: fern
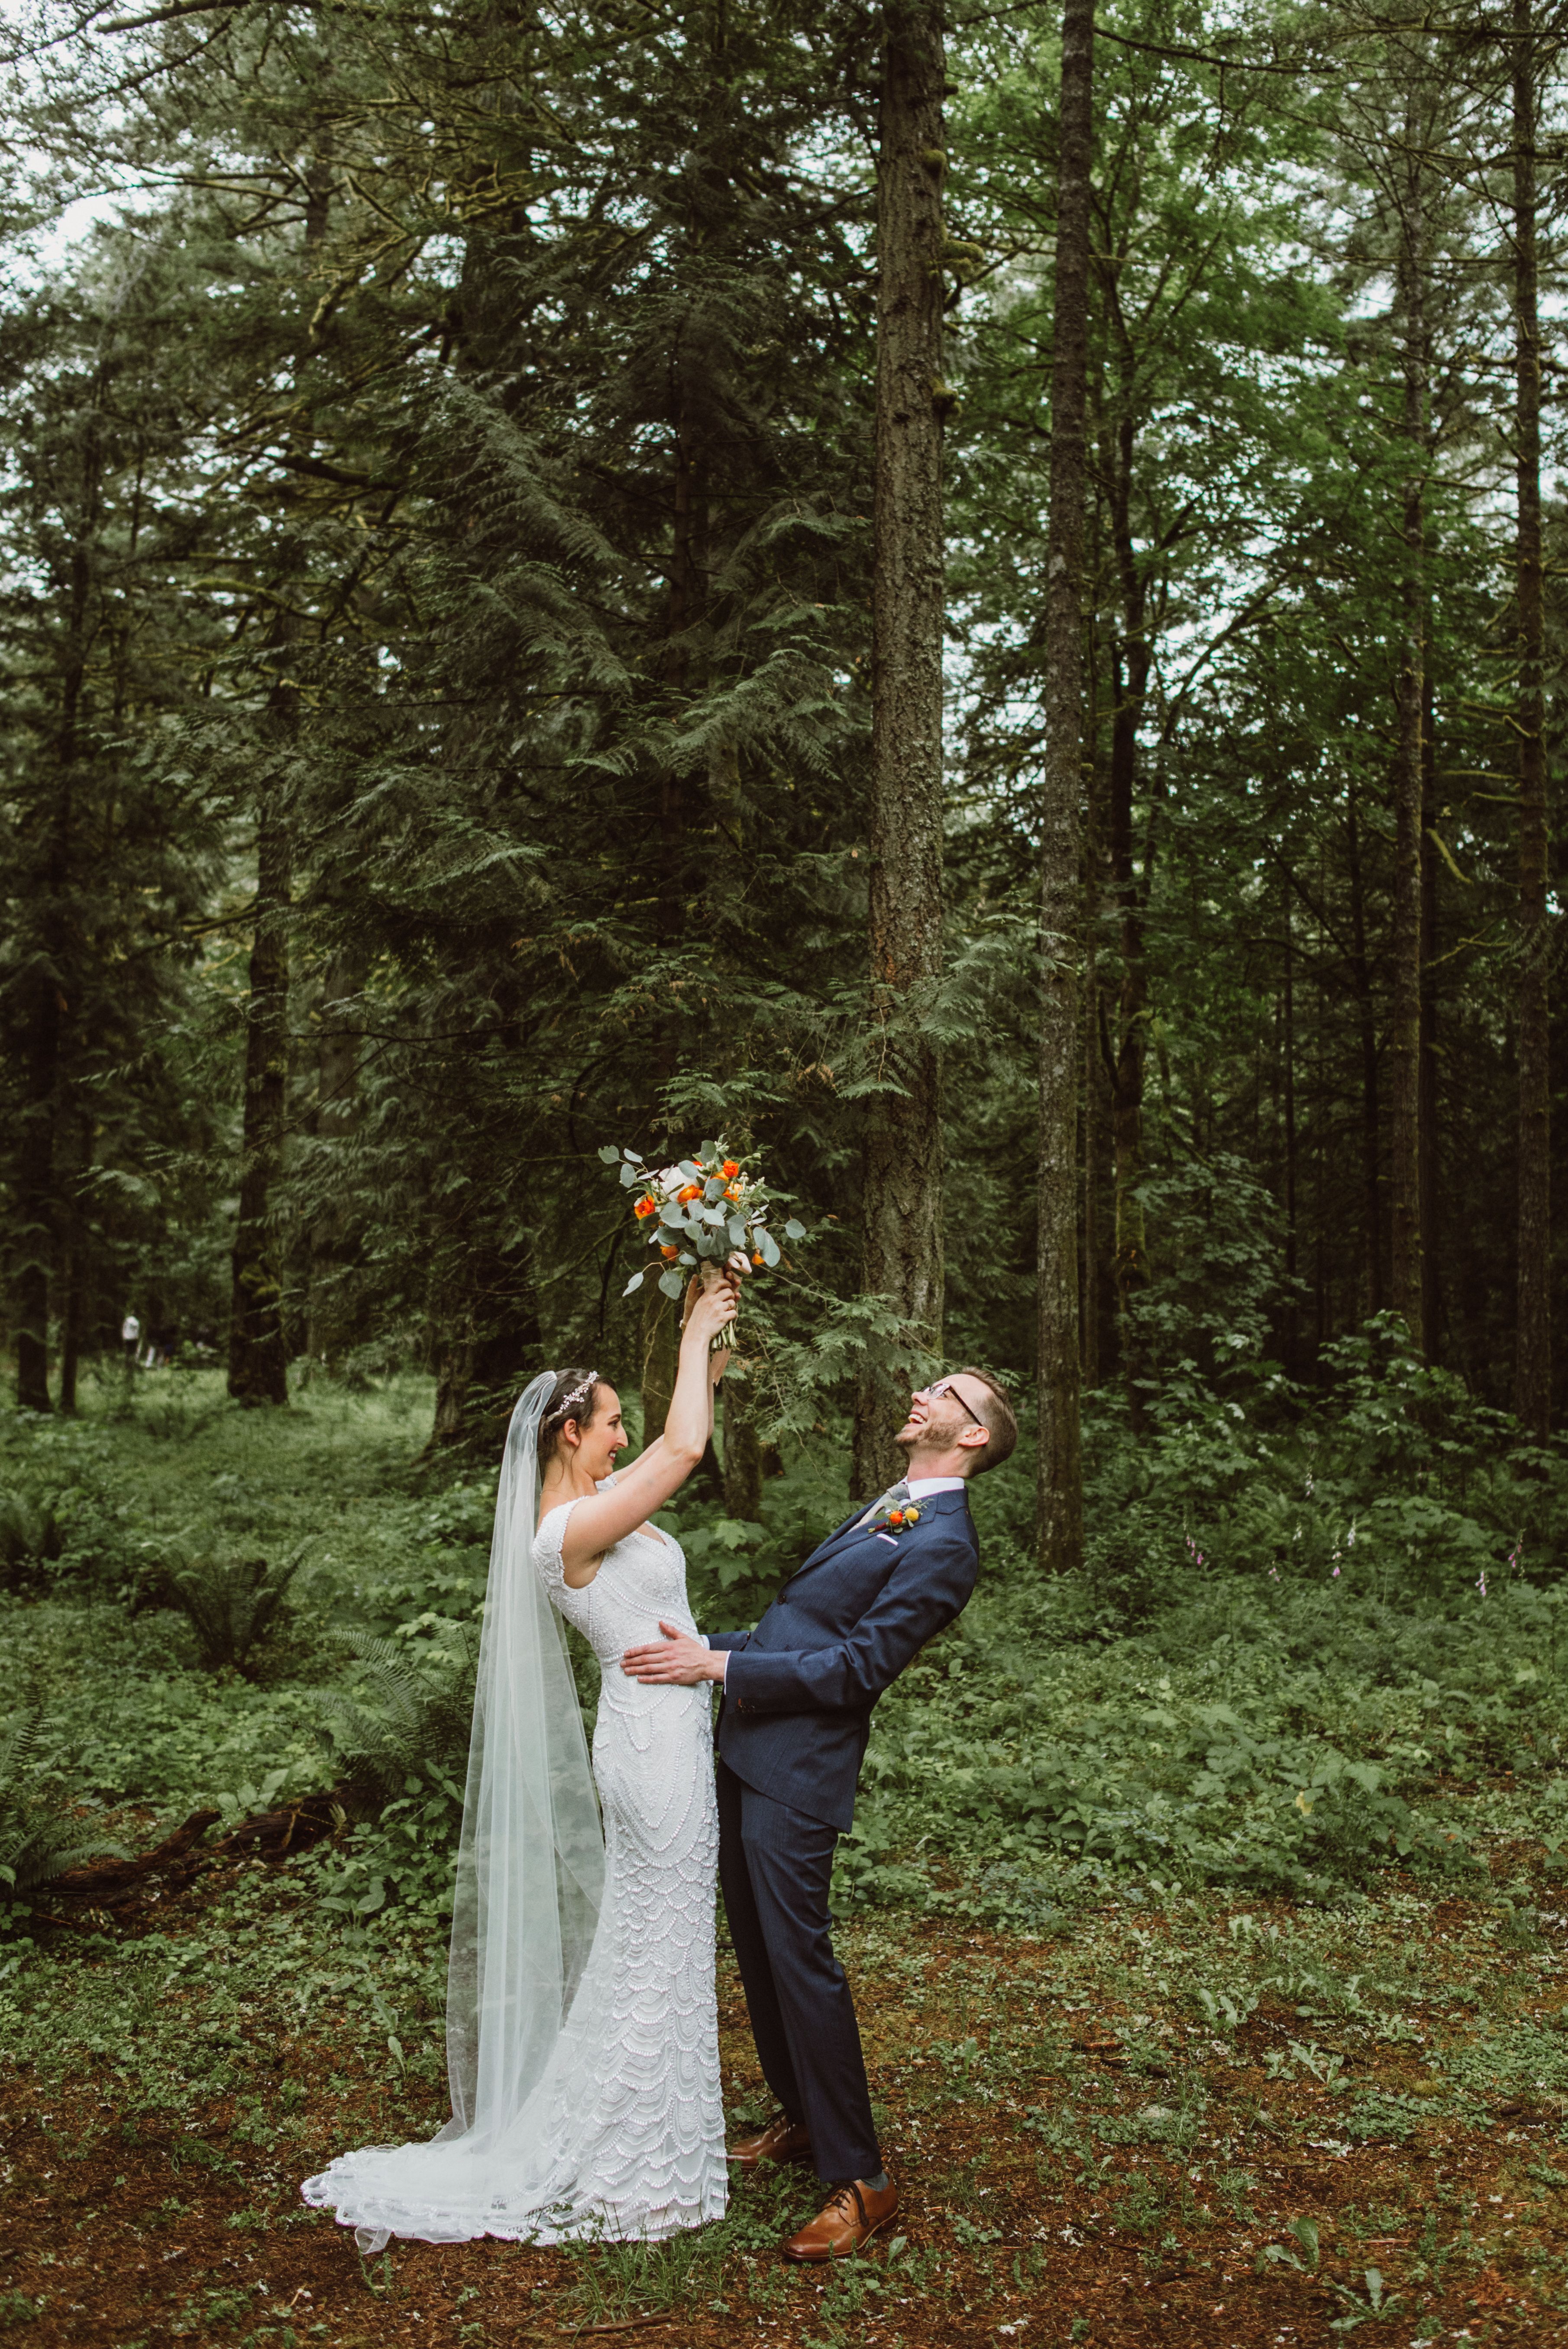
31,1535
232,1603
415,1725
40,1837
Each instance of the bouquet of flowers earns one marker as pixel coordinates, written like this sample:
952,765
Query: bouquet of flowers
705,1214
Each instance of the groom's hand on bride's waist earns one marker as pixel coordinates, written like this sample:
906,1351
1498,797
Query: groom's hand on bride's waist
677,1659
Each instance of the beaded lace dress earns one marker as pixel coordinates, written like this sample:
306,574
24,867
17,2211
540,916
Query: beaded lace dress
623,2137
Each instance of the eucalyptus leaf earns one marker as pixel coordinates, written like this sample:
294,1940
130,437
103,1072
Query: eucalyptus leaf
635,1282
671,1282
715,1189
673,1214
737,1232
609,1155
767,1244
794,1229
630,1178
635,1156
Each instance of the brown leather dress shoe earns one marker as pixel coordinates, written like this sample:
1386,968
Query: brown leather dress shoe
851,2218
781,2140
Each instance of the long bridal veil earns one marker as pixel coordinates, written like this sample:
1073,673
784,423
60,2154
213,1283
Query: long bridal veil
529,1880
530,1858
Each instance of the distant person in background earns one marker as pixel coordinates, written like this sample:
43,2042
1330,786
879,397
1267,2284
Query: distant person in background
130,1339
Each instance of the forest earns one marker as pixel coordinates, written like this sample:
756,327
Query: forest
965,603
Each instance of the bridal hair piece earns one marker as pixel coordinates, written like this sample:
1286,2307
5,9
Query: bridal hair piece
530,1880
571,1389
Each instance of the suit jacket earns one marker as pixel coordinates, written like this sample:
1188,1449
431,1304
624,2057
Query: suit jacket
799,1691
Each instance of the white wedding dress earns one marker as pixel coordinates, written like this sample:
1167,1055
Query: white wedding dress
622,2137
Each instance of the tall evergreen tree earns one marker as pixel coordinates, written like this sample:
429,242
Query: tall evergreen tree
902,1193
1532,1354
1059,1475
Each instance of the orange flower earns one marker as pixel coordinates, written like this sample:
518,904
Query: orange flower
643,1208
668,1254
731,1167
690,1191
733,1192
757,1257
896,1516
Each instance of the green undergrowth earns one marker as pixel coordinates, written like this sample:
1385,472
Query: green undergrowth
1295,1739
1315,1638
1272,1812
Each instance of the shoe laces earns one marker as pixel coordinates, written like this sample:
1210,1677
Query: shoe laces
848,2201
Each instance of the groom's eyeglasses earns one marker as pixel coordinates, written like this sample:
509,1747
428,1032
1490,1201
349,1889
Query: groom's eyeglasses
946,1387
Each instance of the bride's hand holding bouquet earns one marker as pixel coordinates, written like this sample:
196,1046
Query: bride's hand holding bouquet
723,1344
707,1319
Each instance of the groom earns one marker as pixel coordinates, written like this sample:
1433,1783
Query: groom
792,1731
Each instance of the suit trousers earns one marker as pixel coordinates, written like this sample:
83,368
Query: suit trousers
775,1865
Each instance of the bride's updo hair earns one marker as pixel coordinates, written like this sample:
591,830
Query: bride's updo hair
574,1396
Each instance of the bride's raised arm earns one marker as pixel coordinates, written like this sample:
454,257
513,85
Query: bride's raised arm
600,1521
718,1363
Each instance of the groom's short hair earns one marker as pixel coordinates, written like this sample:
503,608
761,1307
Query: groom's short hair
996,1411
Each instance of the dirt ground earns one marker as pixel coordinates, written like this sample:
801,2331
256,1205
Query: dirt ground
1069,2171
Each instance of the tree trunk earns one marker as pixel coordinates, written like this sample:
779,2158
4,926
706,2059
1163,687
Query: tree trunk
33,1240
1059,1492
37,1221
661,1314
1089,1287
1130,672
488,1342
258,1356
1404,1029
73,1321
1532,1360
454,1359
1287,1088
337,1116
1365,1016
683,610
258,1345
661,1343
1431,1221
901,1180
1097,1290
742,1452
76,1255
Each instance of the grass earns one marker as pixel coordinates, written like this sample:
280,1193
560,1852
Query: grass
1159,2054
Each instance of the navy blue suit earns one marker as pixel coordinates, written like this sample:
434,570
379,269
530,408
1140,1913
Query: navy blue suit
792,1732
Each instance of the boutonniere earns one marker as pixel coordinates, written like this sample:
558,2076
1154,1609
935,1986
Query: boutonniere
896,1520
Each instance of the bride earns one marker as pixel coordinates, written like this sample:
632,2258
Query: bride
582,2025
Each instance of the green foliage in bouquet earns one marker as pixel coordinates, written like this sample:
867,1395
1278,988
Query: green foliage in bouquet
701,1210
